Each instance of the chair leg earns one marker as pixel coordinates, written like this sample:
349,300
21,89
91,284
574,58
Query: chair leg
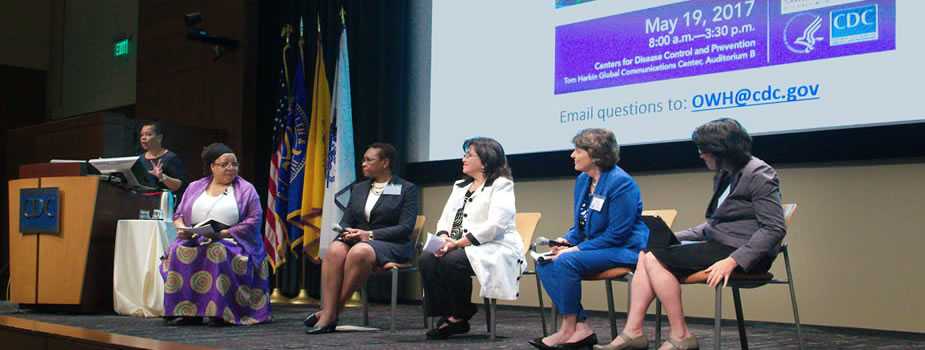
539,297
488,316
608,284
494,319
718,318
394,300
658,321
629,294
740,318
426,311
363,298
793,300
555,317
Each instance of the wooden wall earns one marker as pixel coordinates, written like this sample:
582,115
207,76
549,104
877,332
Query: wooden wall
181,82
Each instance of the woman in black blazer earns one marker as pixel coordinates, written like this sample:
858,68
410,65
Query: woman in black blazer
378,223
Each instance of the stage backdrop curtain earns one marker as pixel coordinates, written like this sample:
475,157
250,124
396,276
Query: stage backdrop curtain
377,37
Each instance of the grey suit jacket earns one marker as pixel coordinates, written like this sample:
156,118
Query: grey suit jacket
751,217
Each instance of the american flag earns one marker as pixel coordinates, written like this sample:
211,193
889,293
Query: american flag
275,237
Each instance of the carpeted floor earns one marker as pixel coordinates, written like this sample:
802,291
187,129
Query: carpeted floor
515,327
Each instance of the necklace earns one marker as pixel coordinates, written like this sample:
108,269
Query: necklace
378,187
476,185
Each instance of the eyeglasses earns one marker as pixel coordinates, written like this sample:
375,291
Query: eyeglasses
469,155
227,165
369,160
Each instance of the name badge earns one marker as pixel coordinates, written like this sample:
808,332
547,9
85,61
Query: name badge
597,202
392,190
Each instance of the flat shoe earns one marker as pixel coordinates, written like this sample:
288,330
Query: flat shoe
681,344
185,321
539,344
331,328
585,343
216,322
629,343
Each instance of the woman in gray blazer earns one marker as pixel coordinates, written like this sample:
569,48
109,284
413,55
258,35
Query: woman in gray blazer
743,230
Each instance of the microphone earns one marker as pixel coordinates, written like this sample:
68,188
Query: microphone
543,241
340,232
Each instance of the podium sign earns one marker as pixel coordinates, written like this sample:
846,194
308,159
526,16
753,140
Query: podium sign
39,210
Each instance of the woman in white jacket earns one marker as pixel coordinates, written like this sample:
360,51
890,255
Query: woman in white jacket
477,225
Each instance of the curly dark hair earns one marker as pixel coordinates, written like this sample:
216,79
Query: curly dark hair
601,144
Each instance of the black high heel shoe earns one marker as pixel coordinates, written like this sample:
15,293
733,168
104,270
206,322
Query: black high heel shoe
451,328
329,328
311,320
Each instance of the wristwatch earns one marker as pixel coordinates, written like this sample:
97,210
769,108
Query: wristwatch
371,235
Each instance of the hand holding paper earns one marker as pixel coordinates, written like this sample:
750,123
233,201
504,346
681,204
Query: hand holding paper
433,243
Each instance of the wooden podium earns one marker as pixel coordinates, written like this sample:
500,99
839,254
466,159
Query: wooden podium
70,270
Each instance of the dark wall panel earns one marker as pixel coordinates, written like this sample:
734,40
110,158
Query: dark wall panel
22,103
180,81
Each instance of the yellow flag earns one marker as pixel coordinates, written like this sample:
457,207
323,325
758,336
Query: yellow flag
316,158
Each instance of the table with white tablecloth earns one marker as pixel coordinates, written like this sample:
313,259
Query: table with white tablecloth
138,288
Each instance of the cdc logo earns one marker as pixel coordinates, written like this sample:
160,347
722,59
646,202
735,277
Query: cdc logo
853,25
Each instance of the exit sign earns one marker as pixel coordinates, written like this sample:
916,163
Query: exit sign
120,48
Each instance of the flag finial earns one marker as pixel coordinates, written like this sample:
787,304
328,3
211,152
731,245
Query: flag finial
343,14
284,32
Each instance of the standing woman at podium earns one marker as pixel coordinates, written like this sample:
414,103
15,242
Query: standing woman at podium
164,166
222,276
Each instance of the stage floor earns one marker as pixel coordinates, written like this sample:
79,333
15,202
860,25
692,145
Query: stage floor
515,327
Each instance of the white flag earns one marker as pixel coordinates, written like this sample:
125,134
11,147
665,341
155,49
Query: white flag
341,164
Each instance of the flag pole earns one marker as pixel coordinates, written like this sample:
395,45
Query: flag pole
277,297
355,299
304,298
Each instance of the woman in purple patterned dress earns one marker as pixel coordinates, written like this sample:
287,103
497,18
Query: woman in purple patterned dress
224,276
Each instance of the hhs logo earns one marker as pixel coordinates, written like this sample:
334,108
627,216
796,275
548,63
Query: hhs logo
853,25
801,34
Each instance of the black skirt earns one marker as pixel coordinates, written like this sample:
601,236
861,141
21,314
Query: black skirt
683,260
387,252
